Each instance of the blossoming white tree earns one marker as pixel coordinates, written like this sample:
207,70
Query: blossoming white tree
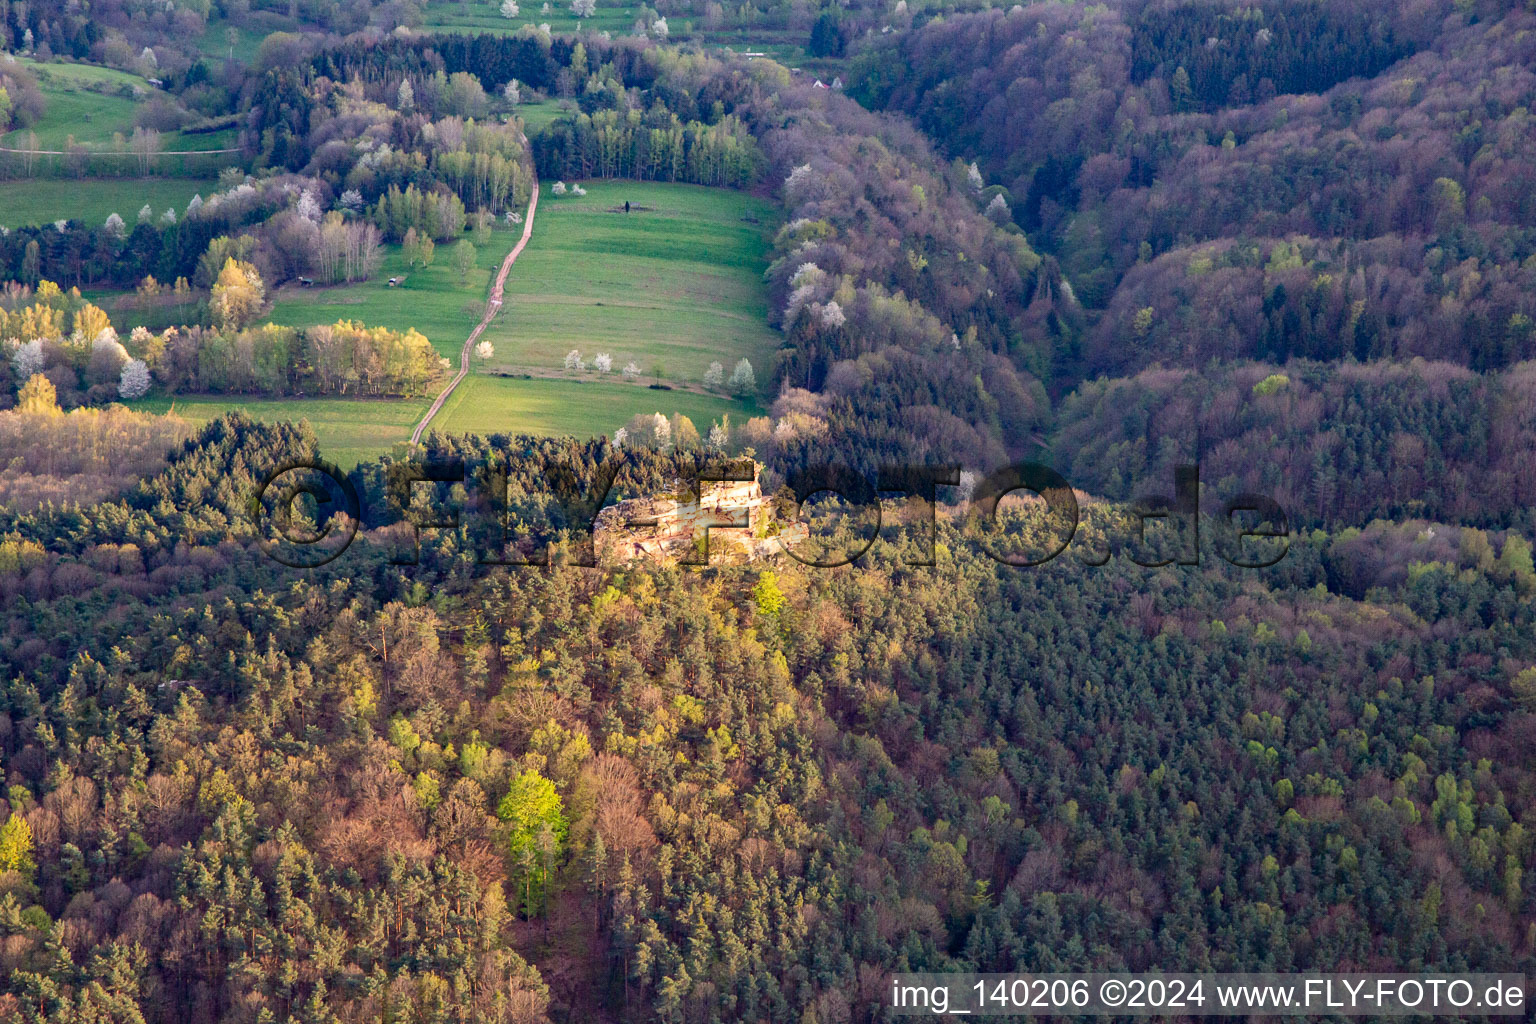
807,273
509,9
573,360
631,371
485,350
802,183
583,8
28,359
602,362
714,376
134,381
743,380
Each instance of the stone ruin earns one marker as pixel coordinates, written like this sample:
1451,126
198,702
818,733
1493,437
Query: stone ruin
740,521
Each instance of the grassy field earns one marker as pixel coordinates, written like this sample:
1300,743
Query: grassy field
349,430
539,115
43,200
431,299
492,405
616,18
485,16
246,43
677,282
91,103
781,45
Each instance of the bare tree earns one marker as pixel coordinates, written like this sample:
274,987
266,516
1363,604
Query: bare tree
145,144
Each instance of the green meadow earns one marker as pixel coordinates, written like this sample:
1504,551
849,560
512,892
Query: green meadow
618,19
676,282
493,405
44,200
224,40
350,430
485,16
539,115
431,299
92,104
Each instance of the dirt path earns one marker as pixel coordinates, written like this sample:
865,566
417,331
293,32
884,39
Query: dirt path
491,308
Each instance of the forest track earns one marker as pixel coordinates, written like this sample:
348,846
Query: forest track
492,307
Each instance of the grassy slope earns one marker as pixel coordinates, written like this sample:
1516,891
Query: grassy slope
43,200
539,115
349,430
679,283
431,299
489,405
617,18
485,16
92,117
215,41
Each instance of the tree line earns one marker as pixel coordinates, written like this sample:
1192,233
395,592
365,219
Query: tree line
70,344
655,147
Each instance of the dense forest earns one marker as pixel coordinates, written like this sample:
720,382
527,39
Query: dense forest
1356,220
1400,173
750,793
461,772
